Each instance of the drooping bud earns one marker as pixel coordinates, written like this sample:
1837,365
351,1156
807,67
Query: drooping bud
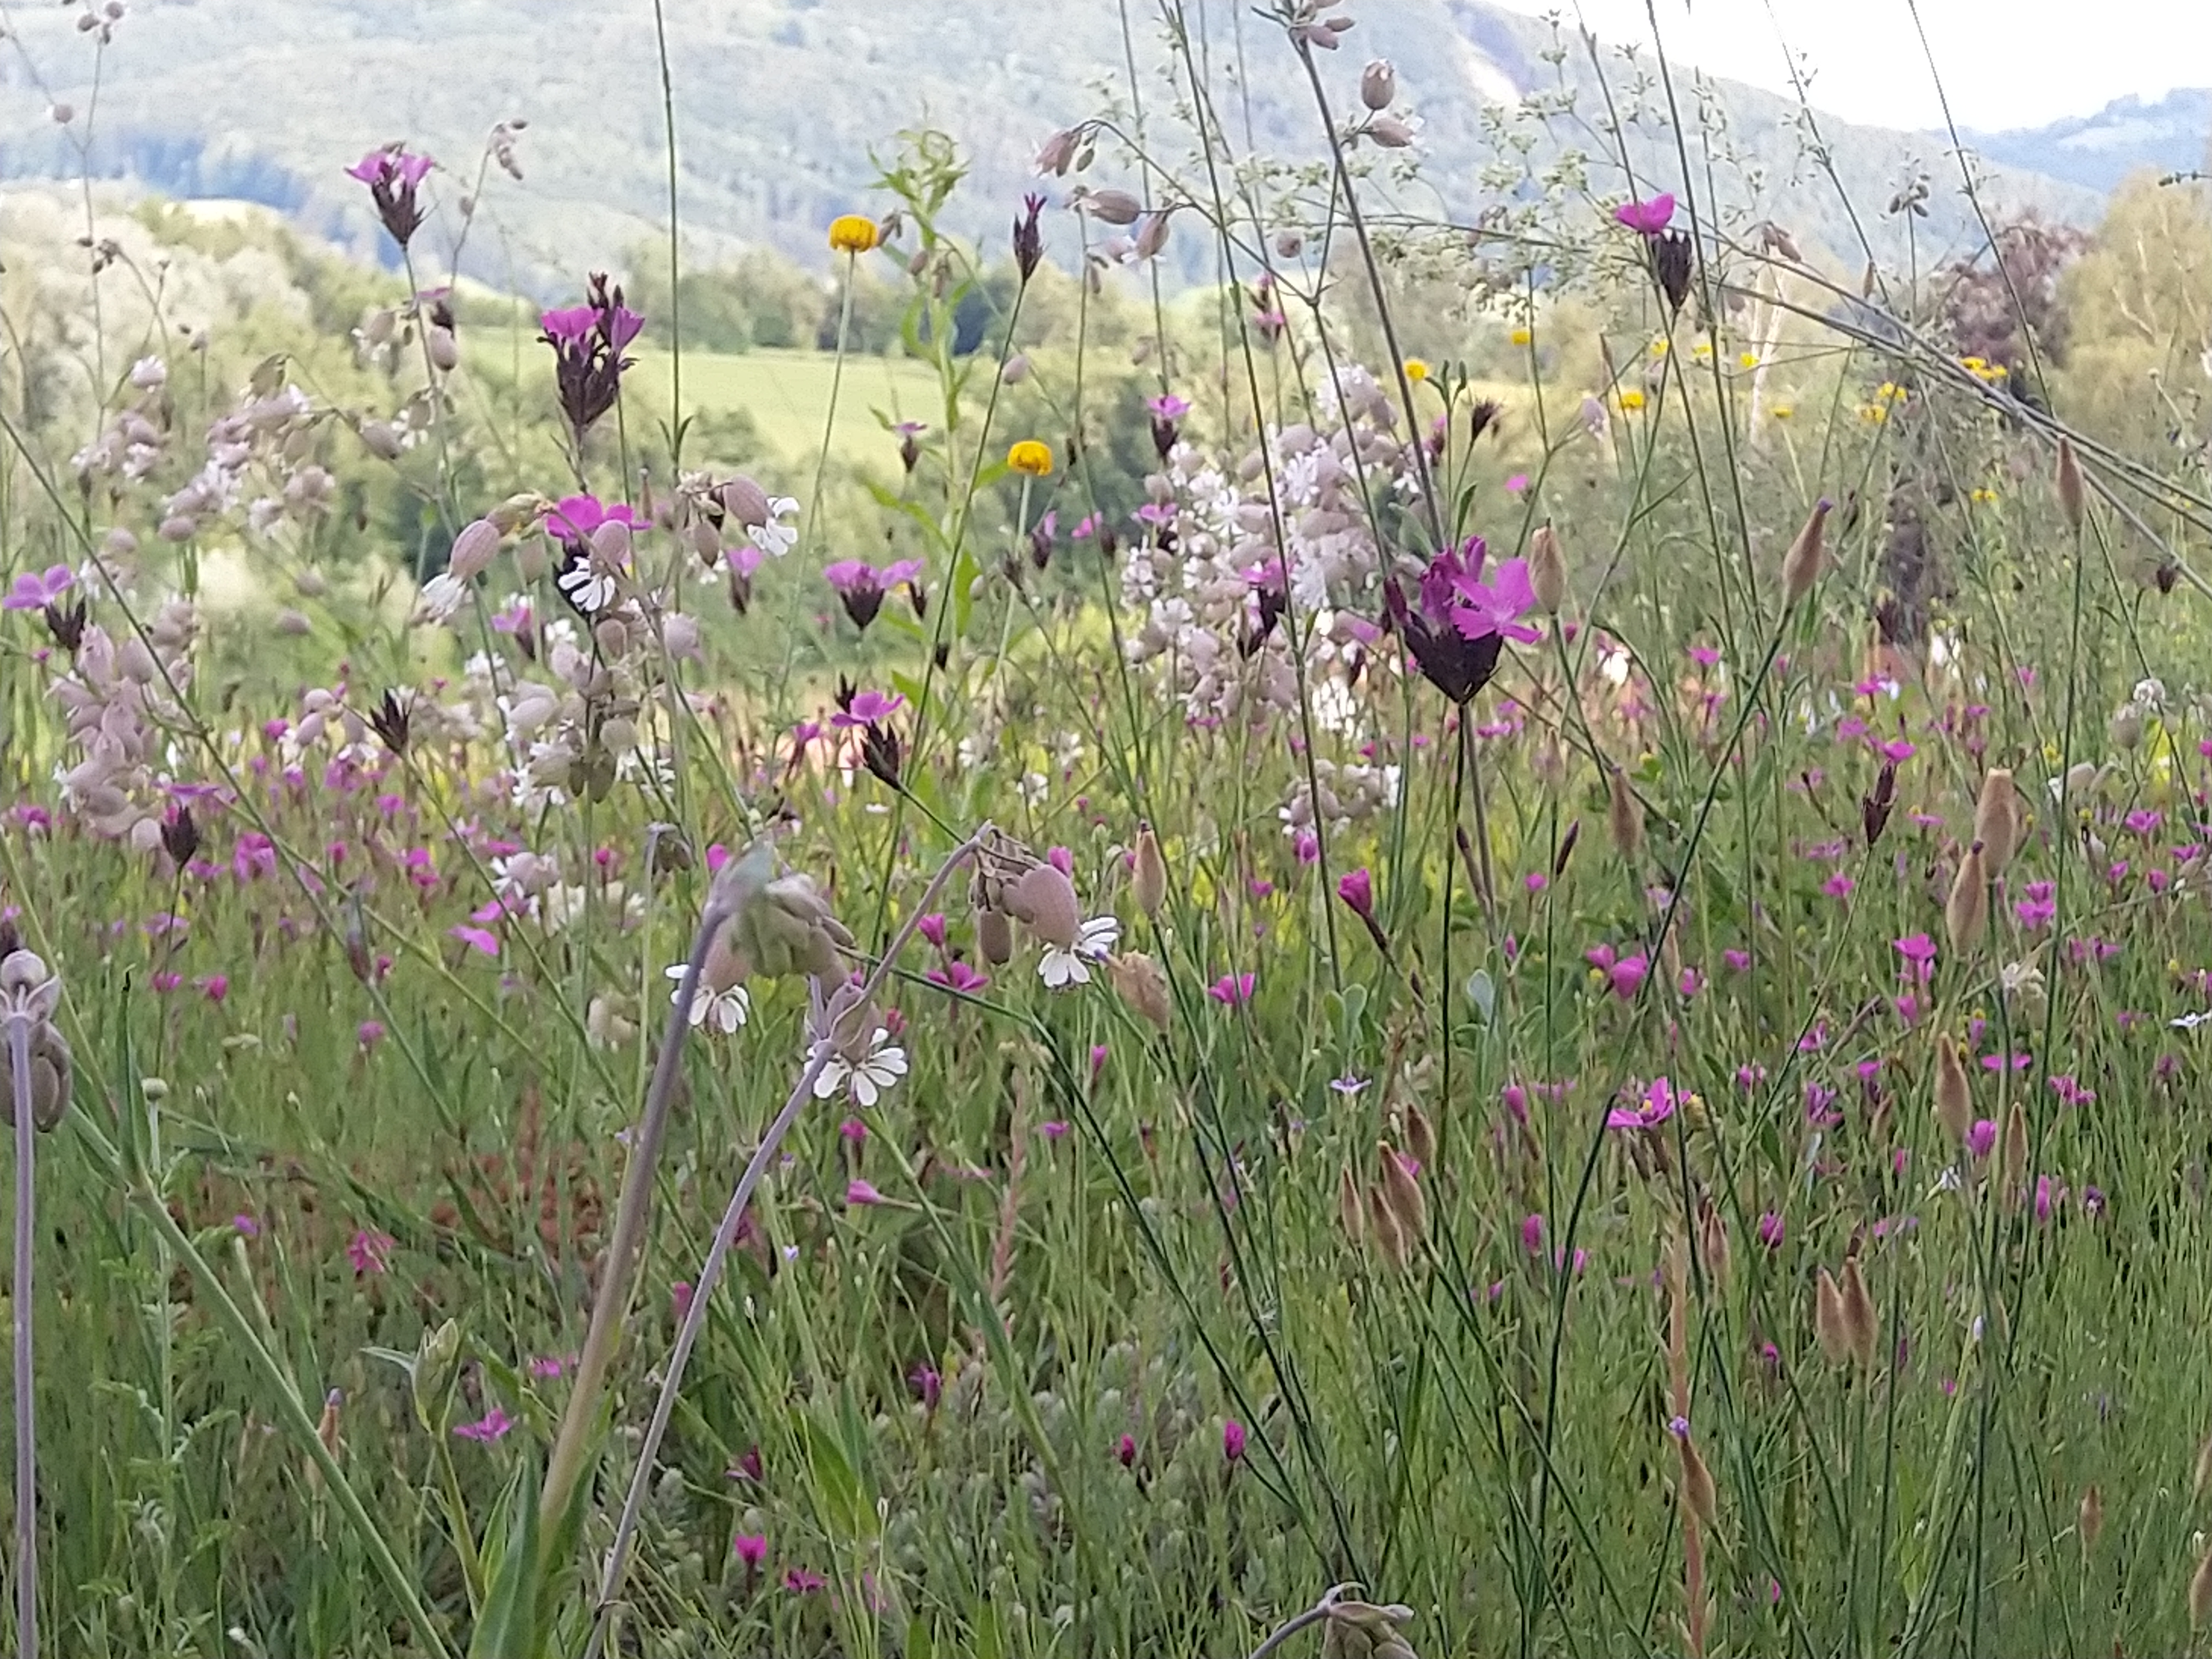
746,501
1861,1323
1624,817
1996,820
1954,1101
1713,1244
380,439
1378,84
1389,1237
1966,916
1834,1336
1801,565
2015,1151
1547,569
1043,900
786,927
437,1362
2072,497
1420,1138
1138,981
1149,881
472,550
1112,207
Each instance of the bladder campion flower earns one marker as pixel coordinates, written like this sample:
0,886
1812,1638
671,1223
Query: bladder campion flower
1032,457
852,232
868,1074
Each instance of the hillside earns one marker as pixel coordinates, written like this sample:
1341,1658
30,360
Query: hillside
2173,134
780,101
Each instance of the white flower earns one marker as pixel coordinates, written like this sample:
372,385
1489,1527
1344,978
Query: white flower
1060,968
728,1009
775,538
1031,788
869,1077
2190,1021
591,589
443,595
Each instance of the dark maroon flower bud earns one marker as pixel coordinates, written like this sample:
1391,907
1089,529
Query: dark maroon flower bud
1029,240
1566,848
180,836
1875,809
1672,258
66,624
389,722
879,752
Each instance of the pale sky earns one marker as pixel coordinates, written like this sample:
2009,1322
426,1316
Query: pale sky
2004,62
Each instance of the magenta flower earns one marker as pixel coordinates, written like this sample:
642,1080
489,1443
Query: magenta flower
1231,990
1655,1108
928,1386
1531,1233
1771,1230
1624,974
1232,1440
1125,1450
1461,623
862,587
861,1194
35,592
1648,217
957,975
548,1368
246,1226
492,1425
393,176
577,516
1167,407
370,1251
800,1580
1919,953
1489,608
587,342
932,927
1356,889
369,1032
476,938
1980,1137
751,1548
867,709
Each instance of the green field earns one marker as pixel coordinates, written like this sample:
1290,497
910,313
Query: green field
787,393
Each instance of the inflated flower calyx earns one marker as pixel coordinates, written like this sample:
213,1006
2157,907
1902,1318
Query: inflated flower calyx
1150,880
1044,900
788,928
1361,1630
28,992
1138,981
995,937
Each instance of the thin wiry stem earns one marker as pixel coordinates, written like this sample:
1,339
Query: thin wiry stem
26,1441
829,1016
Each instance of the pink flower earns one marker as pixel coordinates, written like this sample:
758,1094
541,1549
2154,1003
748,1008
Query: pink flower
1232,1440
1980,1138
679,1299
393,176
1125,1449
1837,886
957,975
1517,484
1648,217
861,1194
1307,846
932,927
476,938
867,707
928,1386
1356,889
1771,1229
370,1252
1531,1233
246,1226
1495,607
546,1368
215,986
36,593
1655,1107
799,1580
751,1548
492,1425
1231,990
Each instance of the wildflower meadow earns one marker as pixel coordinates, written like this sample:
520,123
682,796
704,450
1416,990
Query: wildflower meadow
1470,937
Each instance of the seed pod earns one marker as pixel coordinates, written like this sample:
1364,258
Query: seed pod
1113,207
746,501
472,549
2073,498
1828,1325
1996,820
1713,1245
2093,1517
1389,1237
2015,1151
1861,1323
1402,1194
1137,980
1378,84
1801,565
1624,817
1547,569
1966,916
2200,1593
444,350
1150,880
1954,1101
1420,1138
1350,1210
1697,1481
380,439
1043,900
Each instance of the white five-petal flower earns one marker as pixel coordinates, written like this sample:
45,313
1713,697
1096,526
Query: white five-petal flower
728,1010
775,538
1060,968
869,1077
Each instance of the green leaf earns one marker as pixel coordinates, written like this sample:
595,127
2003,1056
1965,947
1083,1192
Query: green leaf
1483,993
507,1631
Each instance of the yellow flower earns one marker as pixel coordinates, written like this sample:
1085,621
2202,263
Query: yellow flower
1030,457
1631,399
1747,359
1520,337
1659,346
1985,496
1972,365
1874,414
852,232
1702,350
1416,370
1783,411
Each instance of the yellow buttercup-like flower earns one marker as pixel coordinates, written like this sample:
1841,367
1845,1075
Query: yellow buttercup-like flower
1631,399
1030,457
1747,359
1983,496
1416,370
1520,337
852,232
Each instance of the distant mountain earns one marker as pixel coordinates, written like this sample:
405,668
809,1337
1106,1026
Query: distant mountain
780,102
2172,135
